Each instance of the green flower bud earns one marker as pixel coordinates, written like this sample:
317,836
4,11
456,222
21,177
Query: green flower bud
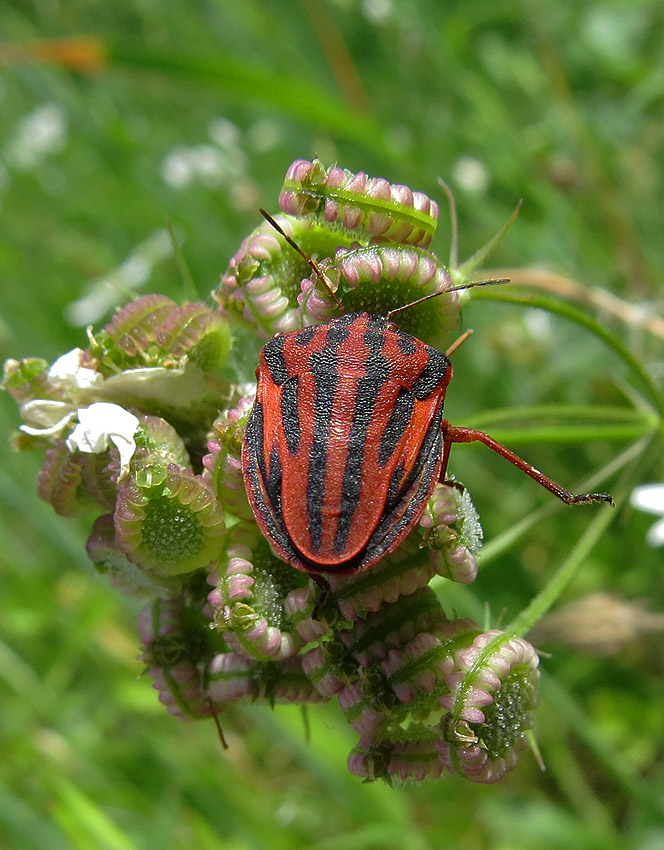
61,481
375,209
109,560
452,533
260,289
158,446
170,529
223,464
404,754
232,677
251,585
155,331
177,651
400,573
493,689
379,278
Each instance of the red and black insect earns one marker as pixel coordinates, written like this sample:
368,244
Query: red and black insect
346,442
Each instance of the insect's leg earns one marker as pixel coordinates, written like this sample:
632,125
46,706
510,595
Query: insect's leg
324,587
470,435
443,467
220,731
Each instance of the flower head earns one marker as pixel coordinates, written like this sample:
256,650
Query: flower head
176,650
493,689
109,560
231,676
377,210
400,573
453,533
50,395
261,284
146,426
170,529
68,372
402,754
72,482
251,585
223,464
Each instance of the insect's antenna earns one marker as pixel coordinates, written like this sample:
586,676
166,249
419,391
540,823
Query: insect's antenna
492,282
313,265
456,345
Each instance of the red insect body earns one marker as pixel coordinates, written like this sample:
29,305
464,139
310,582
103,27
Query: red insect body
344,445
346,440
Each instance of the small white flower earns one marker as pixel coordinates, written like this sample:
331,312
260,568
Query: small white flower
100,424
44,417
224,132
650,498
177,168
471,174
40,134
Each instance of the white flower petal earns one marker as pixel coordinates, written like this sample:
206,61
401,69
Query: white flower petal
65,365
649,498
103,422
655,537
126,448
45,417
67,371
86,439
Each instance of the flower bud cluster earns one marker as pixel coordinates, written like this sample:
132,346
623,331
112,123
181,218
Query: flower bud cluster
143,432
377,210
177,649
369,240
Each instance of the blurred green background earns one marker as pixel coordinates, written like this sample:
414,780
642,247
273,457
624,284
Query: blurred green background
191,115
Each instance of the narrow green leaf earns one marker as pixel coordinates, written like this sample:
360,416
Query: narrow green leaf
79,816
250,83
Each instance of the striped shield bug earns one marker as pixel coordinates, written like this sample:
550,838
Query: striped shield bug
346,439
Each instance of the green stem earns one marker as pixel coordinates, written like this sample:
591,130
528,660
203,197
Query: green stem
569,434
188,285
546,598
567,311
556,412
249,83
477,259
626,423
